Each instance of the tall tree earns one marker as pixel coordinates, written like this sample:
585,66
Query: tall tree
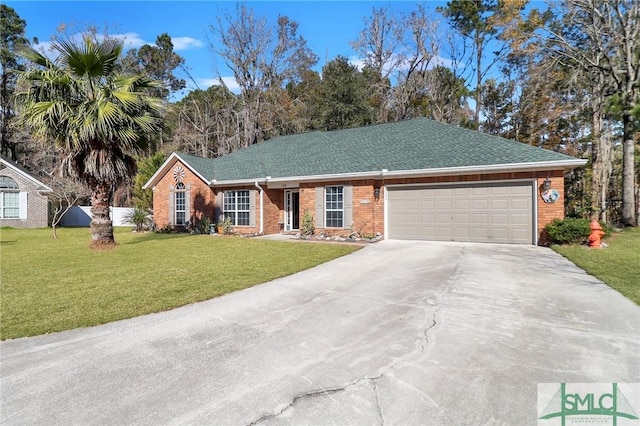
378,43
344,96
439,95
143,198
396,48
207,122
160,62
98,117
419,48
602,40
497,106
261,57
483,25
12,36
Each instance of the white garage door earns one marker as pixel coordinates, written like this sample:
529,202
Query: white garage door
483,212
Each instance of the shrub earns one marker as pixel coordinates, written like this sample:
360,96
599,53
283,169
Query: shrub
226,226
140,217
569,230
203,225
307,224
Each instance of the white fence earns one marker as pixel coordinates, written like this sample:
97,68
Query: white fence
81,216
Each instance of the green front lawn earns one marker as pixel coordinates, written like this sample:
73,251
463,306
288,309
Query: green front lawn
617,265
49,285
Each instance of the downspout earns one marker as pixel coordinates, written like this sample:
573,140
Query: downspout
261,207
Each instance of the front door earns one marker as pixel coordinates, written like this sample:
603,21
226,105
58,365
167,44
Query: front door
291,210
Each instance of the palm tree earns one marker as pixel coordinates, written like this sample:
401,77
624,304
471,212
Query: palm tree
98,116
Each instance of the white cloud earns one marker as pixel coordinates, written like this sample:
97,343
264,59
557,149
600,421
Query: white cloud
184,43
442,61
229,81
44,47
357,62
402,65
130,40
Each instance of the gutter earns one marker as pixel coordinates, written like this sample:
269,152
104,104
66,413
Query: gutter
261,206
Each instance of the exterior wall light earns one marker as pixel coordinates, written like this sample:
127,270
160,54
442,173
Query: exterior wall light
376,194
546,185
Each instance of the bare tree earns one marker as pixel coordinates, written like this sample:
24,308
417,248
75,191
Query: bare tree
483,25
602,38
261,57
65,194
379,44
419,49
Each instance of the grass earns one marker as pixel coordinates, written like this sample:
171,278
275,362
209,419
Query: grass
49,285
617,265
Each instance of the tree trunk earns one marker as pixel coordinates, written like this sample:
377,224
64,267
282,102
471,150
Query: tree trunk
478,83
628,174
101,225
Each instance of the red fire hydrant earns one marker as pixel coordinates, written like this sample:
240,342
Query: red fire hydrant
596,234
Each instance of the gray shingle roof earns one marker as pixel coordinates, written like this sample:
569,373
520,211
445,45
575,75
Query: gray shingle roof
417,144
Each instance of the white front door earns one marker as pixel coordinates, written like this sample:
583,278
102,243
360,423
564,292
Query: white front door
291,210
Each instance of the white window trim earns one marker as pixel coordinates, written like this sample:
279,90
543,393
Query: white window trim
2,207
326,210
234,213
182,191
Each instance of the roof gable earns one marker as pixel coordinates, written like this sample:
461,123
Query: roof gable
198,165
25,174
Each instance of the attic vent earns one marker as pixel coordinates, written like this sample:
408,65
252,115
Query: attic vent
178,174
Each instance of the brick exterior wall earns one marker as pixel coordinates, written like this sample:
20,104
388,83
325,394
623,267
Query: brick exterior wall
37,203
201,198
548,212
367,213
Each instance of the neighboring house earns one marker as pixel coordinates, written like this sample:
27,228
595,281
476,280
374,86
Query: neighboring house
23,198
415,179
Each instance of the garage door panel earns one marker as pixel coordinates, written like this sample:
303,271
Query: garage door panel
479,204
499,191
489,212
443,218
520,203
462,204
427,204
499,203
520,219
461,234
498,219
444,232
444,204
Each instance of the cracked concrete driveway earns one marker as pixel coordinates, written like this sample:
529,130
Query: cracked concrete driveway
397,333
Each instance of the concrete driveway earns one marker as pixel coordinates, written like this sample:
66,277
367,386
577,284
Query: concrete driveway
396,333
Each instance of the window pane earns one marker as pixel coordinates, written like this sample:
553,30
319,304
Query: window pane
7,182
243,201
11,205
179,218
232,216
334,219
11,199
243,218
229,201
180,208
334,206
237,207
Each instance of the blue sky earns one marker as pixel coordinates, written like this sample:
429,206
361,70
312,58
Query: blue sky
327,26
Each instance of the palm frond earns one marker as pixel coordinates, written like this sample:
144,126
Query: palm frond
97,117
